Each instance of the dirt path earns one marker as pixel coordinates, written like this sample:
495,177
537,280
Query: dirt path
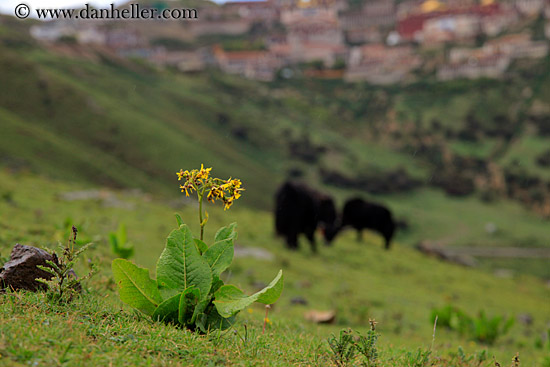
466,255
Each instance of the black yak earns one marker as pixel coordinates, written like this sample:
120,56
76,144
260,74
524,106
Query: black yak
361,214
300,209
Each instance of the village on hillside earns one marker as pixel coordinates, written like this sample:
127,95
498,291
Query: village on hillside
378,41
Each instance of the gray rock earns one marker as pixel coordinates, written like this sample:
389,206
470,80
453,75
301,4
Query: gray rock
21,271
298,300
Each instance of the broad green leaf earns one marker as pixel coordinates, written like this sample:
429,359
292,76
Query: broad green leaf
168,310
225,233
219,256
272,292
229,300
188,301
179,220
212,320
216,284
180,265
135,287
201,246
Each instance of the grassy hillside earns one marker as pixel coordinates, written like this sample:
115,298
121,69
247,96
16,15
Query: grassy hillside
399,288
85,115
109,124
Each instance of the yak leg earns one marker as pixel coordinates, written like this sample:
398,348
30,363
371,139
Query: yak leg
388,242
311,237
388,236
292,241
359,235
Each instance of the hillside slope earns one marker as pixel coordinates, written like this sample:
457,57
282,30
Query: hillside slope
84,114
399,288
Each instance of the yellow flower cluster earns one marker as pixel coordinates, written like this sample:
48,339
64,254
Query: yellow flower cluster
227,191
193,179
199,180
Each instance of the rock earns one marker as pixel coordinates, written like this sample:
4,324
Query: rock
254,252
321,317
21,271
525,318
298,300
491,228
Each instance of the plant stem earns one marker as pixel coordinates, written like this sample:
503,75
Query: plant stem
267,307
201,194
433,335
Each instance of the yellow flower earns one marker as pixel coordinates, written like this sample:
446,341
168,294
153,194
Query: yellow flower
184,189
203,173
210,197
181,174
228,202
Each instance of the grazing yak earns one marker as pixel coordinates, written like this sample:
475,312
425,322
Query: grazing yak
361,214
300,209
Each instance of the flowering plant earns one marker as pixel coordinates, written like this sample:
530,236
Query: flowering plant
188,290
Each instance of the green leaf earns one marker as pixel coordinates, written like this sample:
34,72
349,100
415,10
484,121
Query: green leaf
201,246
121,235
187,304
212,320
216,284
180,265
229,300
113,241
168,310
179,220
227,232
199,309
219,256
135,287
272,292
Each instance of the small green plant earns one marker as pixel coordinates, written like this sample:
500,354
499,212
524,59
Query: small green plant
346,346
462,357
420,358
481,357
487,330
483,329
343,347
64,284
366,345
119,246
188,290
452,318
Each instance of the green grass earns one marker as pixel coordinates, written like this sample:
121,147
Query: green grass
481,149
103,120
524,153
398,288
